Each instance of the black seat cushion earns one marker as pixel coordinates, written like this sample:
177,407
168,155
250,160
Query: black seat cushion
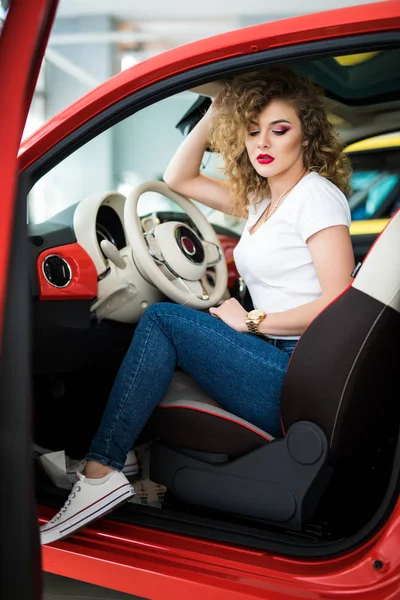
189,418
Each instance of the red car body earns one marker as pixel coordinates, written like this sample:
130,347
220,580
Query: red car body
143,561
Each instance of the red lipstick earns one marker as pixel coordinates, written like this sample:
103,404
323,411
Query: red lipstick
265,159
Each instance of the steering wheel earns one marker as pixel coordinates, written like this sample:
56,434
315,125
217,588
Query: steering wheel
172,255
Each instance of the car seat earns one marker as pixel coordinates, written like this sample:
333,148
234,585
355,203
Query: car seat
334,410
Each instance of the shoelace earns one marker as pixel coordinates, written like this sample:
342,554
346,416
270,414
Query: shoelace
75,490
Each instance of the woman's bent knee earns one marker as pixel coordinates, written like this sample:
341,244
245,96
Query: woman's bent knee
154,311
169,309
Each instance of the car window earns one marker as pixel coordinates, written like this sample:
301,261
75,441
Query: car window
135,150
139,148
132,152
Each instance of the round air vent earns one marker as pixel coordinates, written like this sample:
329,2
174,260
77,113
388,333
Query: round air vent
56,270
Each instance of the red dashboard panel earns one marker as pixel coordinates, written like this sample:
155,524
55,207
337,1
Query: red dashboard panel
69,263
76,265
228,244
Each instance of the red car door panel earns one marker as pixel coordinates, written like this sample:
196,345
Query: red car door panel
141,560
22,42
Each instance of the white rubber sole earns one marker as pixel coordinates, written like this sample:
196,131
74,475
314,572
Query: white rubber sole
60,530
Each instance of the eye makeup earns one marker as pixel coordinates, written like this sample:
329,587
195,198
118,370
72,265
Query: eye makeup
278,127
280,130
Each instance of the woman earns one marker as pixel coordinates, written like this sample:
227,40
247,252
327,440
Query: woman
285,171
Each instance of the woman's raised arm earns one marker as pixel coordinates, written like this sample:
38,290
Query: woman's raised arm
183,172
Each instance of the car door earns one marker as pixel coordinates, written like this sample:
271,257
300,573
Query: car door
22,42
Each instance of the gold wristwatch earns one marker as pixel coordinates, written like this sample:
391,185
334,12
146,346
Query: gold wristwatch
253,319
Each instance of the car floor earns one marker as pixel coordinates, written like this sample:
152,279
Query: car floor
62,588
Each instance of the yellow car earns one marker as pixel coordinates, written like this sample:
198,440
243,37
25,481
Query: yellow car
375,188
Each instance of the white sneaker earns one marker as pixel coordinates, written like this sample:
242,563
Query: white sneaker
129,469
87,502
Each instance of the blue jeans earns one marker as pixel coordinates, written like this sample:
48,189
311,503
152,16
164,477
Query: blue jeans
242,372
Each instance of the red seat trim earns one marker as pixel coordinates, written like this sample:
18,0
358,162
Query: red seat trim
266,436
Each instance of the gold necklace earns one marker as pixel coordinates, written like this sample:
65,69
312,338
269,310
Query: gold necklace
268,214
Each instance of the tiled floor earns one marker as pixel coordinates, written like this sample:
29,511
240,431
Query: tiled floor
61,588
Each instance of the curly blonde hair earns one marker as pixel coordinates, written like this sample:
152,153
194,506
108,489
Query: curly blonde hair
243,98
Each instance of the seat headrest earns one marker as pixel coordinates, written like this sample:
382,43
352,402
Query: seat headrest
379,276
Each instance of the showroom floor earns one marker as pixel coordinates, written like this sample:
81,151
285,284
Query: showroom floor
61,588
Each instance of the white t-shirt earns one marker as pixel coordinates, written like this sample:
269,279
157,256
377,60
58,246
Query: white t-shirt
275,261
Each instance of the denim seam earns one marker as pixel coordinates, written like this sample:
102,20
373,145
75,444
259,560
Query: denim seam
127,393
209,329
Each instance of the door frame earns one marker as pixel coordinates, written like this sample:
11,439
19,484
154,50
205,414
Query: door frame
22,43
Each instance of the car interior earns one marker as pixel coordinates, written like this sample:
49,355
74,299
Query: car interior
106,245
